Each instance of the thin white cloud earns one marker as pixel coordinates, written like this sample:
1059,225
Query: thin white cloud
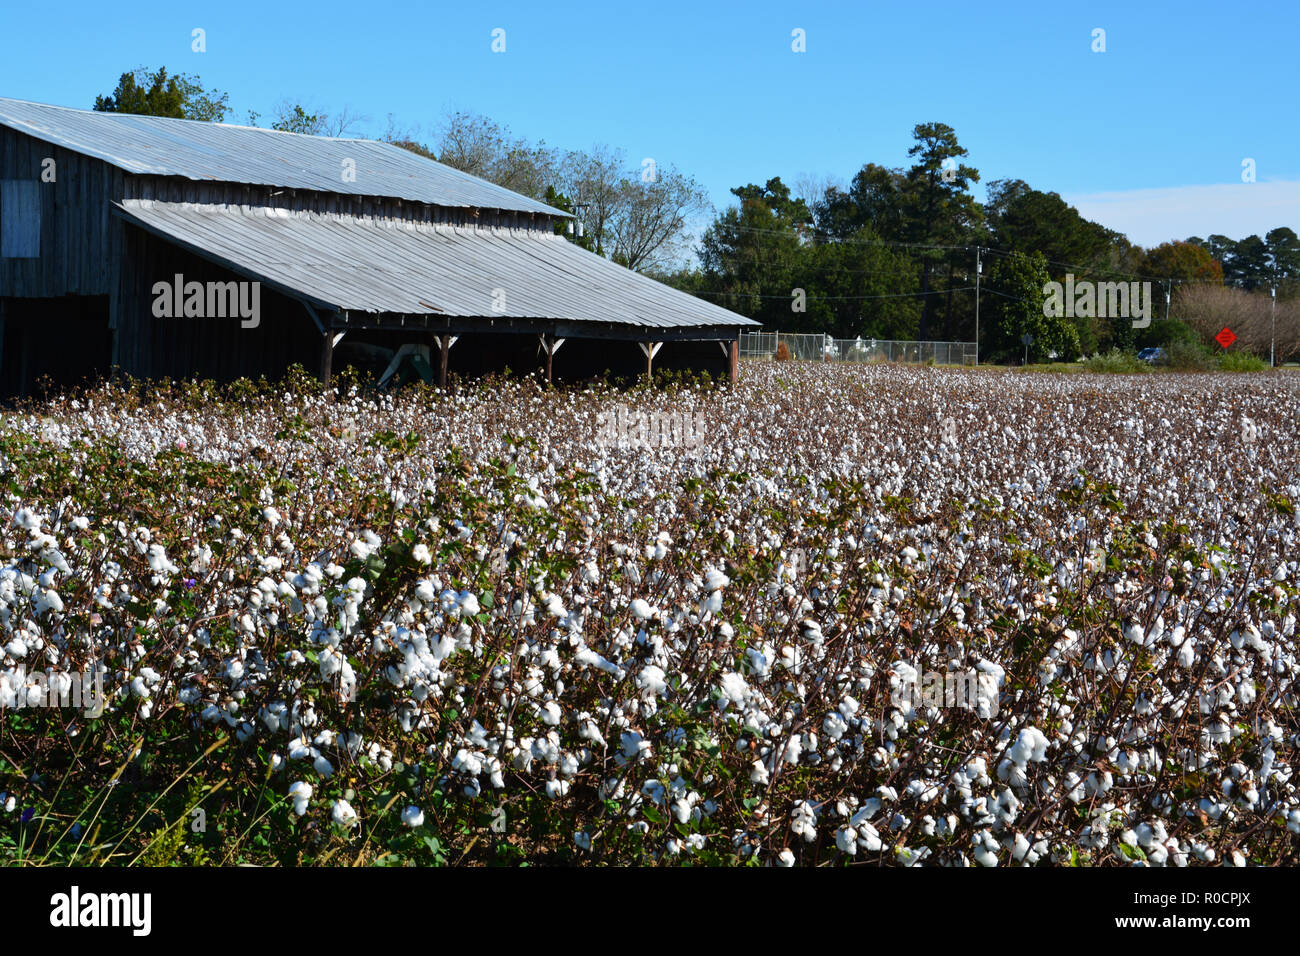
1152,216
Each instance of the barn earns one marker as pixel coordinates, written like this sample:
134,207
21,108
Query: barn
176,248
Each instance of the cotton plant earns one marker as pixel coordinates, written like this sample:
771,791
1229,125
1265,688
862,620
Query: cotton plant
685,656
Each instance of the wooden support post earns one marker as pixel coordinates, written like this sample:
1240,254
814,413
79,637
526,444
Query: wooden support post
550,345
650,350
444,343
734,370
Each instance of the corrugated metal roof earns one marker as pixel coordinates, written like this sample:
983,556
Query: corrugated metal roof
216,152
384,265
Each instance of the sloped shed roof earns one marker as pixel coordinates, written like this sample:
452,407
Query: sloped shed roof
386,266
218,152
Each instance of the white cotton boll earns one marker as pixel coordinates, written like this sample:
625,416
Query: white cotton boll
27,519
803,821
424,591
681,809
715,580
785,859
469,605
984,856
582,840
413,817
343,814
557,788
1019,848
846,839
651,681
300,792
467,762
138,687
420,553
642,610
323,766
551,713
834,726
49,600
1030,746
758,774
868,836
1217,732
733,687
272,516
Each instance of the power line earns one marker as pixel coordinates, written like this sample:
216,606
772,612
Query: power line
839,298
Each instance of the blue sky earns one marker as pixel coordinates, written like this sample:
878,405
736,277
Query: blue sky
1148,137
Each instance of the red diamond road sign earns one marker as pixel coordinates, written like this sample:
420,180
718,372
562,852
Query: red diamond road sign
1225,338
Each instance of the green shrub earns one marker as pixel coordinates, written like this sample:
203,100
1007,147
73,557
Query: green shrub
1241,362
1114,362
1189,356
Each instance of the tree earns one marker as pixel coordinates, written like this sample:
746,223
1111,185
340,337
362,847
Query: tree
294,119
558,200
1023,219
592,179
937,207
1182,260
1283,258
1249,265
858,287
156,93
1017,282
478,145
873,200
649,219
751,254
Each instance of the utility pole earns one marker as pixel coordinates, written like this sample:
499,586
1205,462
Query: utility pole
979,267
1272,341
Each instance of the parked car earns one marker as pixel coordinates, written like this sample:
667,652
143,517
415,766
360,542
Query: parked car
1154,356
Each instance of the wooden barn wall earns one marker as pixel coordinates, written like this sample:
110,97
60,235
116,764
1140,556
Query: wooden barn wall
176,189
78,233
219,348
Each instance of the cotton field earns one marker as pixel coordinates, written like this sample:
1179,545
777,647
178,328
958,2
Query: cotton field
503,625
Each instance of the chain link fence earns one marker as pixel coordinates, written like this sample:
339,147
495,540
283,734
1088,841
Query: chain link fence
824,348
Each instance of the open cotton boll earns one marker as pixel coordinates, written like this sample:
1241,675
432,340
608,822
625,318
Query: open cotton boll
300,792
642,609
413,817
1030,747
343,814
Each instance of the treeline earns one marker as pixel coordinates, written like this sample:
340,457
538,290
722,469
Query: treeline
894,253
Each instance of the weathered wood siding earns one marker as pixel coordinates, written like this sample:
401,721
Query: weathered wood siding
148,346
79,236
174,189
